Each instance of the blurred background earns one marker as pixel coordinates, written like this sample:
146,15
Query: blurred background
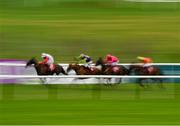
66,28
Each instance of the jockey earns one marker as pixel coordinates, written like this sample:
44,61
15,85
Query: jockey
145,60
85,60
111,60
47,59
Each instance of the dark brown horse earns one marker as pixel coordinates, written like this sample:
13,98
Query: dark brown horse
111,70
143,71
82,70
43,69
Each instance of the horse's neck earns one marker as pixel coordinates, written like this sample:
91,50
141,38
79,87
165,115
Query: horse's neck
137,68
76,68
36,65
80,67
35,62
132,68
141,70
104,67
38,70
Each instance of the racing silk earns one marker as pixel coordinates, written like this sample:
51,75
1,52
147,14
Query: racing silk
87,58
112,59
84,59
45,60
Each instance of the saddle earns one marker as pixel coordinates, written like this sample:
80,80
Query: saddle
87,68
51,66
115,68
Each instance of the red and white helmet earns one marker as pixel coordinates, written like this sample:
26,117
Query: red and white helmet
43,55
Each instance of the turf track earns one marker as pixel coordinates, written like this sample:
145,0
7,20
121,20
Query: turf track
89,104
66,28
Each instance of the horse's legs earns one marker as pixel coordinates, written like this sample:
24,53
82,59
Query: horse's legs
43,80
120,80
116,80
140,81
146,83
109,80
160,82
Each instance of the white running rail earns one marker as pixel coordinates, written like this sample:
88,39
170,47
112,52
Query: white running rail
82,76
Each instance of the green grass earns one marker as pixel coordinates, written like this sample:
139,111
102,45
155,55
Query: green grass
67,28
89,104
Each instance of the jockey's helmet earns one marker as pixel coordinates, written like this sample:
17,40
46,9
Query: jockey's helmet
108,55
82,55
43,55
140,58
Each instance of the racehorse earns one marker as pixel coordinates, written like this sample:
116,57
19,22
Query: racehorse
149,71
111,70
82,70
43,69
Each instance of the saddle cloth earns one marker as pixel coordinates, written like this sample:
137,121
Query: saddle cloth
115,69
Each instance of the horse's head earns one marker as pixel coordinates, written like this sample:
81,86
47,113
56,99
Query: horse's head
99,62
134,68
31,62
125,70
72,66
